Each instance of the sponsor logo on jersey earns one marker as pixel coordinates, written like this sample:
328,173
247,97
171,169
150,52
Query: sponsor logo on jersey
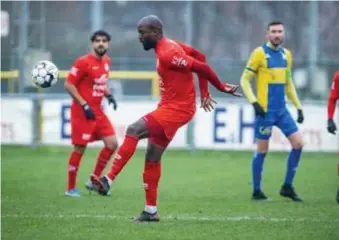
179,61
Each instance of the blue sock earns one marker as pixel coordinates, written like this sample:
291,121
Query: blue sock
292,164
257,165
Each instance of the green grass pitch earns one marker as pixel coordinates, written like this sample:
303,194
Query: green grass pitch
203,195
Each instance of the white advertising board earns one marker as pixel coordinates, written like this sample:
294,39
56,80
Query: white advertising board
16,121
56,129
231,126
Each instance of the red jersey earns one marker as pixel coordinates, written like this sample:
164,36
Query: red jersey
176,81
90,75
334,95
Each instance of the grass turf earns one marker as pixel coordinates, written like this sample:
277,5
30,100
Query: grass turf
203,195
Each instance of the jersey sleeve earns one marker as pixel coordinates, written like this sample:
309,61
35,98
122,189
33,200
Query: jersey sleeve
250,70
203,82
290,88
176,60
335,86
188,49
77,72
333,96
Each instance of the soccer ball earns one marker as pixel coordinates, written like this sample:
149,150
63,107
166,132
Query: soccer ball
45,74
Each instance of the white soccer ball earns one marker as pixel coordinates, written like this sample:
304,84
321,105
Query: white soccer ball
45,74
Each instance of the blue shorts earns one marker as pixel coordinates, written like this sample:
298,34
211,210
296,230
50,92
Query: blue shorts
280,118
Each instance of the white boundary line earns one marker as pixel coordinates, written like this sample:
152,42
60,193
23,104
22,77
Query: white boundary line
178,218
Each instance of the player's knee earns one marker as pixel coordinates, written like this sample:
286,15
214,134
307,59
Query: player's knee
79,148
296,141
154,152
132,130
262,146
112,143
298,144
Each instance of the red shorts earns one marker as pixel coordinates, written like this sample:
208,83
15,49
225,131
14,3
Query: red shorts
85,131
163,123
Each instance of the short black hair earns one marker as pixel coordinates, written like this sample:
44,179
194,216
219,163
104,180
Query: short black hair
273,23
100,33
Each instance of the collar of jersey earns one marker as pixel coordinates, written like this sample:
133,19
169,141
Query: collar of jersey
270,45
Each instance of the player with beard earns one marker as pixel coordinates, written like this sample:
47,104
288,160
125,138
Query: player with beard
271,65
87,85
175,64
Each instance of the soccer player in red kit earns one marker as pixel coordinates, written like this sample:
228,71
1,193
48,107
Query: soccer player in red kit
175,64
332,100
87,84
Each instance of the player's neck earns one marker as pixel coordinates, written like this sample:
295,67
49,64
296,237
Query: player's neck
99,57
159,39
271,45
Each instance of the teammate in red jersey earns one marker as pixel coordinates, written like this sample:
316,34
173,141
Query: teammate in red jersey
334,96
87,84
332,100
175,64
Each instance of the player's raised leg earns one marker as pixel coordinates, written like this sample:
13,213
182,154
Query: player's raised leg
151,178
134,133
73,166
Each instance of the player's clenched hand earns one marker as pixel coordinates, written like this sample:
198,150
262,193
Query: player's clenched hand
259,111
111,100
231,89
89,114
300,118
331,127
207,103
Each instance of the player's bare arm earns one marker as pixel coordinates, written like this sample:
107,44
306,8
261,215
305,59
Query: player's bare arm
72,90
75,76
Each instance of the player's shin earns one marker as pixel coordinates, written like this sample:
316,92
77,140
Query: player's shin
151,177
124,154
292,164
257,166
73,166
103,158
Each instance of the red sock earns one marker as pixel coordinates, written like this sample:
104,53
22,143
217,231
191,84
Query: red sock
124,154
73,165
152,173
104,157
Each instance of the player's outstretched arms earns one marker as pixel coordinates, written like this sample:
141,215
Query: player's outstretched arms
205,70
179,61
207,102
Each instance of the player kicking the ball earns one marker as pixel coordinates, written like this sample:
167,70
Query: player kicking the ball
87,84
175,64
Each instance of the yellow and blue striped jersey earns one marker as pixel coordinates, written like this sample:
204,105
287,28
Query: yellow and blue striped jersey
272,69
